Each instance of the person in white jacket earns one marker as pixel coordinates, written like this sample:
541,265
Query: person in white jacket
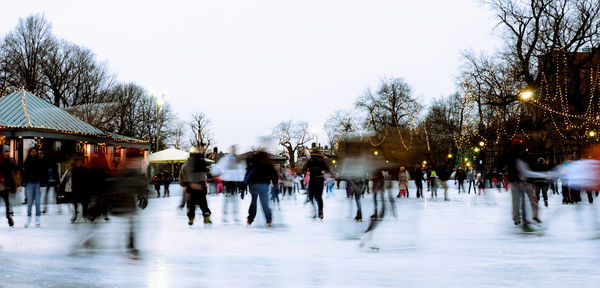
231,169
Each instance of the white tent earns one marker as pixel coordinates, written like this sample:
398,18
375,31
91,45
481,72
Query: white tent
169,156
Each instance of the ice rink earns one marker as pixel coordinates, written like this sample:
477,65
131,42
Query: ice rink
469,241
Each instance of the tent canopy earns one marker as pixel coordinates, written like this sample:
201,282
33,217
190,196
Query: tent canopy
169,156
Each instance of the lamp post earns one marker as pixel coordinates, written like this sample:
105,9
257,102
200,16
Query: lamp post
159,102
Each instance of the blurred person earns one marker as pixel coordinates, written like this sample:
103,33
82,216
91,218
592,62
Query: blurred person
65,186
219,185
419,180
316,166
541,184
51,182
275,186
380,189
157,183
166,181
565,187
288,182
496,179
329,183
231,169
34,176
480,184
428,177
81,193
433,179
7,183
193,176
518,161
471,180
259,174
460,176
99,172
444,175
297,181
382,186
127,191
403,182
353,170
18,179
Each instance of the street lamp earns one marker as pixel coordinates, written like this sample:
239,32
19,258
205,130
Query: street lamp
526,95
592,134
449,155
159,102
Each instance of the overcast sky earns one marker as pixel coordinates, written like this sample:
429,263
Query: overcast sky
251,64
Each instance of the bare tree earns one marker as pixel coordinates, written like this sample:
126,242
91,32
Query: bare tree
536,29
340,124
177,134
201,131
58,70
24,51
292,135
391,106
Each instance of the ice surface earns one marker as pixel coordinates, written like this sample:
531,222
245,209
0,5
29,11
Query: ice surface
469,241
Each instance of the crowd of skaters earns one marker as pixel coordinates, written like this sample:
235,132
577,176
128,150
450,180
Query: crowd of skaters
101,191
94,189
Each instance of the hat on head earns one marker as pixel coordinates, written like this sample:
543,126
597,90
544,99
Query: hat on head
518,142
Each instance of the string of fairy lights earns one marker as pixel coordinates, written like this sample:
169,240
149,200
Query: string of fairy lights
587,121
553,103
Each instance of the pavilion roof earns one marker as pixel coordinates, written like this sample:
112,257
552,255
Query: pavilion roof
22,111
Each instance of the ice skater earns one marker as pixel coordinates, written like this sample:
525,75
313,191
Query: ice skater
519,162
231,169
193,176
316,166
260,172
7,183
34,175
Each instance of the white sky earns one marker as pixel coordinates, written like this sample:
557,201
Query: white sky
251,64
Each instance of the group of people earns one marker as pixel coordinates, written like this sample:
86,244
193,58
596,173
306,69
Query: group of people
37,172
258,173
163,178
90,184
100,190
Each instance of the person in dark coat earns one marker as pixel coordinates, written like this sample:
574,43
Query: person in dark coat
419,180
34,175
7,183
460,176
99,172
166,181
81,193
193,177
541,185
518,161
444,172
317,167
259,174
127,192
52,181
157,183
